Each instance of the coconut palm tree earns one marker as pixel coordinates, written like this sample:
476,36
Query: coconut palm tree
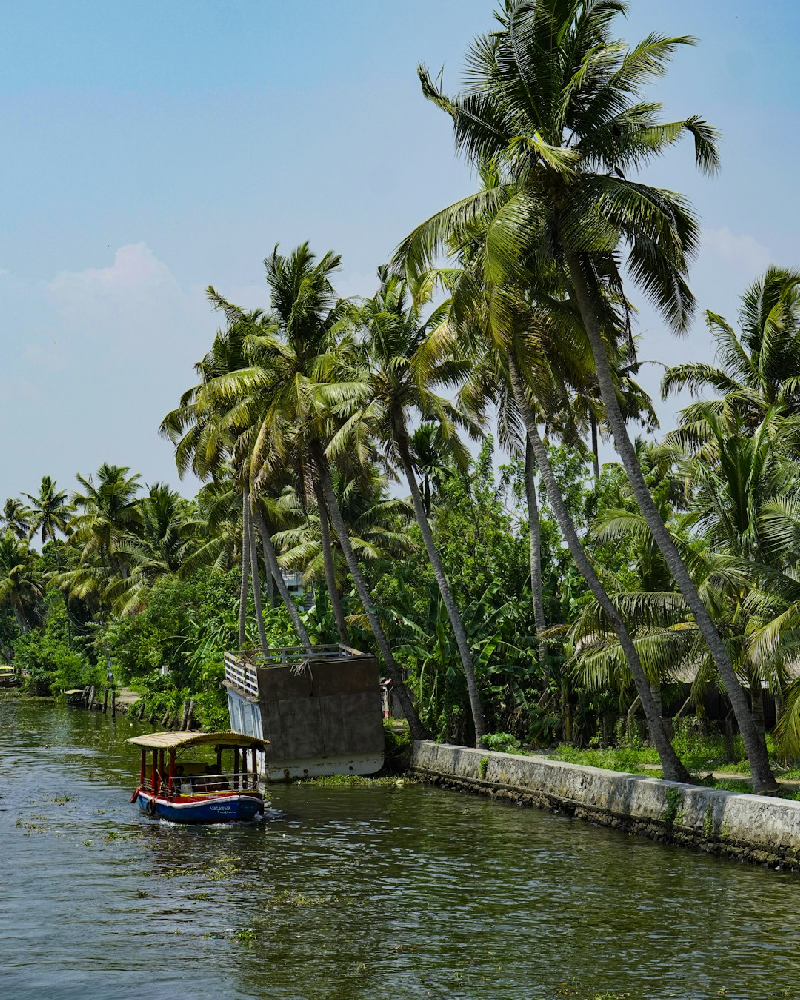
16,517
20,586
758,369
555,101
50,510
206,434
391,387
377,524
295,400
167,535
107,509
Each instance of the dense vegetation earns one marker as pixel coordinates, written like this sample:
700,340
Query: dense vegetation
520,589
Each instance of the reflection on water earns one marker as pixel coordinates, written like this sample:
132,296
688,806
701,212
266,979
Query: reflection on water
396,892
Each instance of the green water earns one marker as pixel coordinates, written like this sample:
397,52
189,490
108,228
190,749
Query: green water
350,892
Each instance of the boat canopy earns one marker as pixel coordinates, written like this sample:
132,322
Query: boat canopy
177,741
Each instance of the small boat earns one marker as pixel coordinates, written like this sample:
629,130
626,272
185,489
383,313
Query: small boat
75,697
8,677
176,788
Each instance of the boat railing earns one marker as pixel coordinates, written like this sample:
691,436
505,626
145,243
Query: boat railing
203,784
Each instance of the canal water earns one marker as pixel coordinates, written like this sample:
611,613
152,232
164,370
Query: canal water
396,891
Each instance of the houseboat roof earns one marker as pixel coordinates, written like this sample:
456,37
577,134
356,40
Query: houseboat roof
176,741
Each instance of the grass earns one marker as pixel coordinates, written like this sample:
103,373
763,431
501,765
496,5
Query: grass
700,753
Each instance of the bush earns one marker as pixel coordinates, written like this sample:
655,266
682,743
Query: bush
48,659
502,742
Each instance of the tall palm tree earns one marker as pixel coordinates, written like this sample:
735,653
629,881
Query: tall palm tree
432,456
554,100
392,386
208,435
50,510
520,332
294,396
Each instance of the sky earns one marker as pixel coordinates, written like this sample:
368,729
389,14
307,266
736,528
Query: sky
151,149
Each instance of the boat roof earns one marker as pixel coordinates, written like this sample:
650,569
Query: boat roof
74,691
176,741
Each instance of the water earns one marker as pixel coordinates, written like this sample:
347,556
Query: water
349,892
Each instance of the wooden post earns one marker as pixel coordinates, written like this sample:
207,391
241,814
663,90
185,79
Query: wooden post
113,703
105,702
153,772
236,767
171,772
255,772
91,698
142,768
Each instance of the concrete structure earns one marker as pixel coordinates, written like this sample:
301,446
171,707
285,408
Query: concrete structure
321,713
750,827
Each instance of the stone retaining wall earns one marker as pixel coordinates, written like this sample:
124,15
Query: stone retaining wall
748,827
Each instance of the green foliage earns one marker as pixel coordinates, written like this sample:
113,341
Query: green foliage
397,748
49,658
673,808
502,742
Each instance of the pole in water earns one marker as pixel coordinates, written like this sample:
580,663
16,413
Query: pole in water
113,703
105,702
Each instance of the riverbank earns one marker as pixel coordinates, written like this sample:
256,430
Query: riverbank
745,827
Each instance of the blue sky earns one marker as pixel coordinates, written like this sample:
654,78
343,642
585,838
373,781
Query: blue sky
151,149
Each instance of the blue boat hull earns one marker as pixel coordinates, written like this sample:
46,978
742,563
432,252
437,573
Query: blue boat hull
218,809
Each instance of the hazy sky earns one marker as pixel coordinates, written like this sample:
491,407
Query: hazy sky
150,149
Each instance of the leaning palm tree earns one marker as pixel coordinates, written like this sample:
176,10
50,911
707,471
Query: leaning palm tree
391,386
50,510
555,101
520,331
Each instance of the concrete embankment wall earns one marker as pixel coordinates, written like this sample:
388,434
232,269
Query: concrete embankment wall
747,827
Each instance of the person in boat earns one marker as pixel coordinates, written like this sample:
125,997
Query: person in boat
215,782
178,781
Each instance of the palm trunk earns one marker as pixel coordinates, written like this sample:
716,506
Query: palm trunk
535,552
21,620
672,767
595,449
322,480
427,483
271,589
757,702
327,559
245,572
763,778
271,561
444,588
251,544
